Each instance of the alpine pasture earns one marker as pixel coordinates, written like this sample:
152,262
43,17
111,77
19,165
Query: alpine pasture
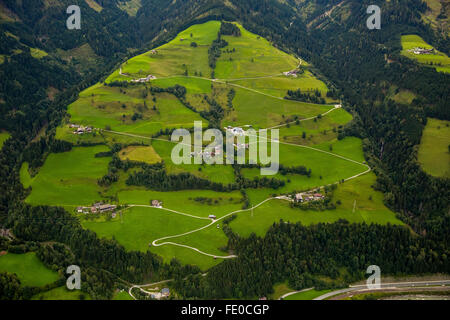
134,107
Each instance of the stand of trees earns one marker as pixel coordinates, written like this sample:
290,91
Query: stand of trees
303,254
315,97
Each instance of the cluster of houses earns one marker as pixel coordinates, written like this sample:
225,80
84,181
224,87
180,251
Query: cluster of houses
143,80
156,204
237,131
98,207
422,51
292,73
164,293
79,129
217,150
308,197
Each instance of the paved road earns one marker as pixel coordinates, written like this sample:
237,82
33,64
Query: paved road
293,292
392,285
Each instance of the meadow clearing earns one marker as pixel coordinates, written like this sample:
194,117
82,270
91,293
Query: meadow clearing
68,178
359,203
3,137
307,295
438,60
61,293
434,149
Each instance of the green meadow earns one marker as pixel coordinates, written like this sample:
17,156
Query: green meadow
359,203
139,226
316,130
196,202
261,111
439,60
28,268
216,173
3,137
122,295
140,154
69,178
250,53
307,295
24,174
175,57
114,107
434,149
279,85
61,293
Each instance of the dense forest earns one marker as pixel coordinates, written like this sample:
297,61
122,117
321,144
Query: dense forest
360,65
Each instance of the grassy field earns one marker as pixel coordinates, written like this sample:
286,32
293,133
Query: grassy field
439,60
25,177
64,175
185,201
356,193
175,57
122,295
37,53
279,85
3,137
263,111
139,226
250,52
113,107
307,295
216,173
29,269
62,293
325,168
434,153
316,131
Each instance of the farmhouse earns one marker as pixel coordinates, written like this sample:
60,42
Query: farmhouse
291,73
213,217
237,131
146,79
423,51
306,197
